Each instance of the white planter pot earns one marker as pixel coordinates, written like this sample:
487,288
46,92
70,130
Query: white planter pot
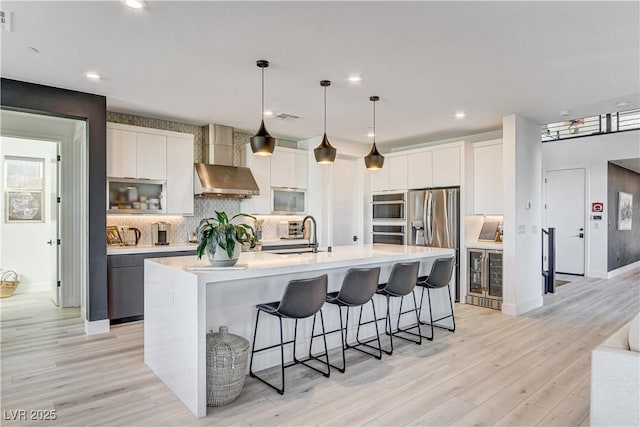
220,258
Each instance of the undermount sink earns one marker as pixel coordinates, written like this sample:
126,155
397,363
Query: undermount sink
294,252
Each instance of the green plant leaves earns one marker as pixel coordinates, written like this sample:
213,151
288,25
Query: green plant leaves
219,231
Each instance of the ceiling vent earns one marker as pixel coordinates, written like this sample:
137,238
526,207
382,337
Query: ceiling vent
287,117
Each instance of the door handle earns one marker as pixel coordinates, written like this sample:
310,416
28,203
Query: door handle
50,243
355,238
580,235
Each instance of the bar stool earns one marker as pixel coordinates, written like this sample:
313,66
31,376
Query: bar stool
402,282
358,287
439,277
301,299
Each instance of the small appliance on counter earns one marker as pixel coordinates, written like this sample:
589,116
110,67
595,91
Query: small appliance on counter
132,236
160,233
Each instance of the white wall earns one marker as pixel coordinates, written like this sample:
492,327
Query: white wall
592,153
522,215
24,247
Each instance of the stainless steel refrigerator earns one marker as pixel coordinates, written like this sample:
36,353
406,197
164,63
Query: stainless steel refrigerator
433,219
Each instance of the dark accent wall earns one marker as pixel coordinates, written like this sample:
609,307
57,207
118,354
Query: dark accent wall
51,101
623,245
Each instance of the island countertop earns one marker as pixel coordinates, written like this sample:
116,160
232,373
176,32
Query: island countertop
259,264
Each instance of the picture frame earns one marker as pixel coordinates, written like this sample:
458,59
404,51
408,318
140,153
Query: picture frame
23,205
625,210
113,236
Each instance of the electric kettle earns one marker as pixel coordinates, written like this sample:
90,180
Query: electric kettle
132,236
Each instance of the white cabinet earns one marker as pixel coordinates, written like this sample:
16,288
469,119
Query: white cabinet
446,167
392,176
487,178
151,156
121,153
179,197
261,170
288,168
398,173
154,154
420,170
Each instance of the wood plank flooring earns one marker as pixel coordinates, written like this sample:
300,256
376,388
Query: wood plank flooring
494,370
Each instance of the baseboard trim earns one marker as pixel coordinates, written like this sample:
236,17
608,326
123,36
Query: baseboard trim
622,270
517,310
97,327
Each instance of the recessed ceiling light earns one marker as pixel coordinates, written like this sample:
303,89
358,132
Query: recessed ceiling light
565,113
355,78
135,4
460,115
370,134
268,113
622,104
92,75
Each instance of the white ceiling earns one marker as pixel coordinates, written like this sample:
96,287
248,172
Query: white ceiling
631,164
195,61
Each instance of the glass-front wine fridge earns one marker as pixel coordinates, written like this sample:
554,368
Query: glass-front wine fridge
484,278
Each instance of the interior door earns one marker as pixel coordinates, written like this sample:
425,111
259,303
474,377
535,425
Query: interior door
565,211
345,202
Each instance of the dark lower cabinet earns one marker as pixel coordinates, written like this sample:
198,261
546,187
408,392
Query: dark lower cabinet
125,277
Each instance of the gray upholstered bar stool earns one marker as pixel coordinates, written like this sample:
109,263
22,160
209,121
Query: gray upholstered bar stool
302,299
402,282
358,287
438,278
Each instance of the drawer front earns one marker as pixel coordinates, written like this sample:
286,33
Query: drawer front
137,260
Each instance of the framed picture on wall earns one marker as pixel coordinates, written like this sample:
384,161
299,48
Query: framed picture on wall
625,210
24,206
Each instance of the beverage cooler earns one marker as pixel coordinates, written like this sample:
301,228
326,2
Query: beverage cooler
484,278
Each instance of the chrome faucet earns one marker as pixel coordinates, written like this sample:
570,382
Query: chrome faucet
315,232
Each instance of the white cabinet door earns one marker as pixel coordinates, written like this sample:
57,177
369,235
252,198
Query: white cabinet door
282,168
487,180
151,156
446,167
121,153
397,173
379,179
261,170
420,170
300,170
179,197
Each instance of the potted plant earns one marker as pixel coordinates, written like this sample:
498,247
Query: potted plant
222,238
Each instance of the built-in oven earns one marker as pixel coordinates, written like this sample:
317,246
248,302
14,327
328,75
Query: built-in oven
389,206
393,234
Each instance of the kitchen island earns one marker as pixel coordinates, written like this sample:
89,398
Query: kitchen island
184,298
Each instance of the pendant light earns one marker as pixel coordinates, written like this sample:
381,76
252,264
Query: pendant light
325,153
262,144
374,160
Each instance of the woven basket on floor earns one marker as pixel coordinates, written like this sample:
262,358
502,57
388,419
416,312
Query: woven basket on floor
226,366
10,282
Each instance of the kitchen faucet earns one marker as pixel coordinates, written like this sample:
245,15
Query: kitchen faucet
315,233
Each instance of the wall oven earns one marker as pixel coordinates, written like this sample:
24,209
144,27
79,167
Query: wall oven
389,206
389,233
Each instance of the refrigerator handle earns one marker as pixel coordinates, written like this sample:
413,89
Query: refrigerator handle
428,217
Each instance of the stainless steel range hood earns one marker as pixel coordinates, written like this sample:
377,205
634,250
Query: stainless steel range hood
217,177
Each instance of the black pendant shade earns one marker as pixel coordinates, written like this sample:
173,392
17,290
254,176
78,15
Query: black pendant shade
374,160
262,144
325,153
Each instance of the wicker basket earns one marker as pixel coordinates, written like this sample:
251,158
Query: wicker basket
10,282
226,366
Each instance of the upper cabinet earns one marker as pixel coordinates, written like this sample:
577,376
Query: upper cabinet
487,178
289,168
446,167
151,154
420,170
392,176
379,179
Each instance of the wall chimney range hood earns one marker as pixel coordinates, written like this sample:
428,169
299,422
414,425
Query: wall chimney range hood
217,177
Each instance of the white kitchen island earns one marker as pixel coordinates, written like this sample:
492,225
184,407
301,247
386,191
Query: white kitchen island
184,299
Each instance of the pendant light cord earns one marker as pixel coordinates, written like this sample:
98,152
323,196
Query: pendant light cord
262,118
325,110
374,122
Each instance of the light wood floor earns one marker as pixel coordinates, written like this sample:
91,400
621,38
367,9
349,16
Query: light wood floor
495,370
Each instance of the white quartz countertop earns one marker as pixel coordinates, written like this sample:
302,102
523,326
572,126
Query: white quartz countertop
141,249
484,245
284,242
258,264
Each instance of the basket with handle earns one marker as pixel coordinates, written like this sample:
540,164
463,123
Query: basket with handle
10,282
226,366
